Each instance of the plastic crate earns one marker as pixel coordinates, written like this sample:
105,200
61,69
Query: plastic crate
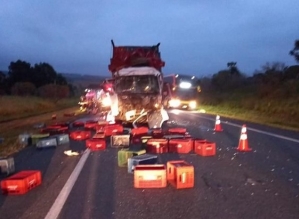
36,137
62,139
90,124
139,131
142,159
180,174
78,124
96,144
174,136
120,141
157,133
80,135
204,148
150,176
124,154
7,165
182,146
24,139
21,182
47,142
145,138
178,130
112,129
157,145
99,135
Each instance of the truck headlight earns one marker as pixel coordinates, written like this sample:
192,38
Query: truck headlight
174,103
192,104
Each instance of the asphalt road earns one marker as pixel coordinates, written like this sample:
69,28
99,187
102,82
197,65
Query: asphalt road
263,183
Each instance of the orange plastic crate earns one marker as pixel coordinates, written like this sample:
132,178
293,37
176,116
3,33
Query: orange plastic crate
204,147
150,176
157,145
177,131
180,174
80,135
111,129
182,146
21,182
96,144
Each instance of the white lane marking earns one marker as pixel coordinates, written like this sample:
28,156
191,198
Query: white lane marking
64,193
252,129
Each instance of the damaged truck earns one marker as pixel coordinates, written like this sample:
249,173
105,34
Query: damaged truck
137,85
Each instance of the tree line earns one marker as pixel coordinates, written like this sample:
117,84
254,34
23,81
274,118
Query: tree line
40,80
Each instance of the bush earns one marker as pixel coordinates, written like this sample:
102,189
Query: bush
23,89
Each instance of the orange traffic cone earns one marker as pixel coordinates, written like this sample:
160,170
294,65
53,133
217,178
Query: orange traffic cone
243,143
218,127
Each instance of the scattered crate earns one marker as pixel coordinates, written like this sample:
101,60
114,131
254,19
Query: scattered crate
145,138
62,139
174,136
139,131
204,147
111,129
80,135
7,165
47,142
178,130
157,133
36,137
142,159
182,146
124,154
99,135
25,139
150,176
157,145
180,174
96,144
21,182
91,124
120,141
78,124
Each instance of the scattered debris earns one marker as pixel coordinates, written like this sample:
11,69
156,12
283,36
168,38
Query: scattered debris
71,153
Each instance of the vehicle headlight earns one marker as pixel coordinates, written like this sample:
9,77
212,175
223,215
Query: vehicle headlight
174,103
106,101
192,104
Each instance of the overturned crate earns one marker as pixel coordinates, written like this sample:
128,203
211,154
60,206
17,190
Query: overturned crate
124,154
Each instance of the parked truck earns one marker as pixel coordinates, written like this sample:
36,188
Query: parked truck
137,84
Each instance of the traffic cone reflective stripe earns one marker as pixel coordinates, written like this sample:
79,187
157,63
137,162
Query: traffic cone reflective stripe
243,143
218,127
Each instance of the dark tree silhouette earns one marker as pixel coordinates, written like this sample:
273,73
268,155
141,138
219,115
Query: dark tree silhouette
295,52
233,68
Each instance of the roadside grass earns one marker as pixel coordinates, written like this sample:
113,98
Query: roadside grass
15,107
18,115
276,113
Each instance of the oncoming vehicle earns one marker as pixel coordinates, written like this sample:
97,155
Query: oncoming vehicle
184,90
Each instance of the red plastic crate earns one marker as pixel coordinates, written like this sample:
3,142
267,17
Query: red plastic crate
150,176
157,145
21,182
90,124
136,139
96,144
80,135
180,174
111,129
178,130
157,133
78,124
182,146
139,131
204,147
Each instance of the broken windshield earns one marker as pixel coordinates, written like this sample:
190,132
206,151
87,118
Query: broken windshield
137,84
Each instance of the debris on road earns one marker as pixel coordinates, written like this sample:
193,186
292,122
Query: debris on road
71,153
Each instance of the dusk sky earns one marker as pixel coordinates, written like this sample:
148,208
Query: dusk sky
197,37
